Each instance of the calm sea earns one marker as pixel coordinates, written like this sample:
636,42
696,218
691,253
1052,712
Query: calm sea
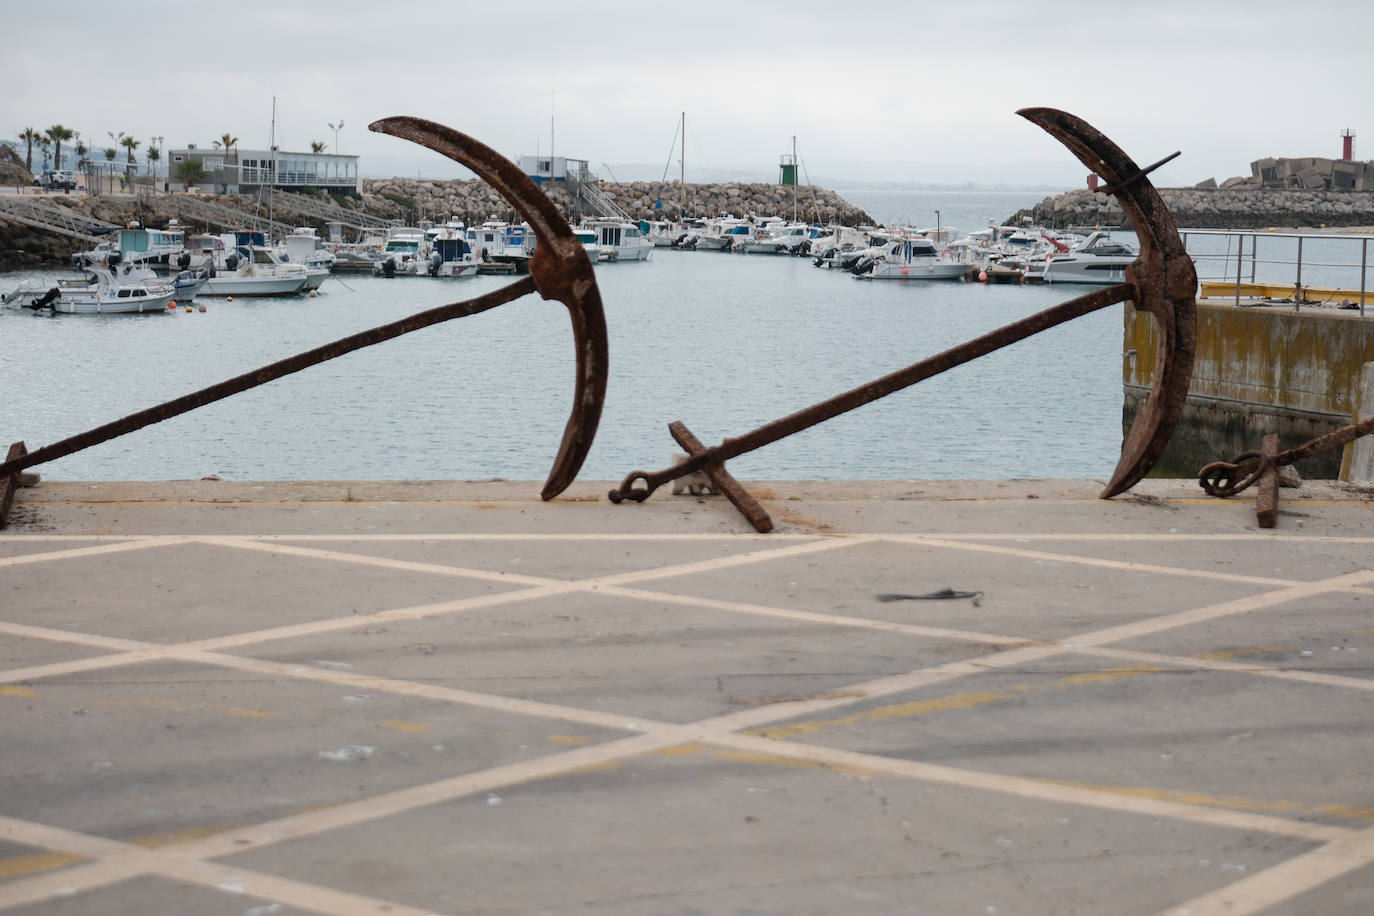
722,342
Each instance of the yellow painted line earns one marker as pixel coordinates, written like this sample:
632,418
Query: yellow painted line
95,663
401,726
1345,682
52,634
1225,655
17,692
568,739
35,863
248,713
1271,887
771,537
952,702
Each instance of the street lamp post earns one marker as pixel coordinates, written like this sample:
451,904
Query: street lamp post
157,163
335,127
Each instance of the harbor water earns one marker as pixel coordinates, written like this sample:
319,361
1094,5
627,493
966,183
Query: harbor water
722,342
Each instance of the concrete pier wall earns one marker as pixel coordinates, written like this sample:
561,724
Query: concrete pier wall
1260,370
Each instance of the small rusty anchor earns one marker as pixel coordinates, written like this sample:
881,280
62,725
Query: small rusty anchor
1162,282
1228,478
558,270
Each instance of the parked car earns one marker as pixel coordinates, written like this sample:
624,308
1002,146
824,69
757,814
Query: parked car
56,180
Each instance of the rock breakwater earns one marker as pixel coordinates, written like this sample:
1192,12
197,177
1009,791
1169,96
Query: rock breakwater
1214,208
474,201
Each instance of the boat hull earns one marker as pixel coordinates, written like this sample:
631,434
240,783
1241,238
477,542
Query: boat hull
252,286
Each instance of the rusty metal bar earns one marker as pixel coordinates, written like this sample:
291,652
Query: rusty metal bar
1227,478
10,482
723,480
880,388
266,374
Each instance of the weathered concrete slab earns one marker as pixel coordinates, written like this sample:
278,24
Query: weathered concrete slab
439,697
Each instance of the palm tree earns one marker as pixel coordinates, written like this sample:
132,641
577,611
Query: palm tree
227,141
30,136
57,133
316,146
130,144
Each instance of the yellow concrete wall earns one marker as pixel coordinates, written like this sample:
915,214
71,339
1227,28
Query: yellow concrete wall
1271,361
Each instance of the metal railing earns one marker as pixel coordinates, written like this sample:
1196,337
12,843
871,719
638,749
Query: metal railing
1336,264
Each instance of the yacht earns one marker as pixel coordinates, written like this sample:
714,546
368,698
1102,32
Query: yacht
912,258
1096,260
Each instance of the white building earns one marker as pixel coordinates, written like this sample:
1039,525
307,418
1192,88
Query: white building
553,168
242,171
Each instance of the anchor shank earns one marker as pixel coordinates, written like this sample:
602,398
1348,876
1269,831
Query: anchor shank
266,374
903,378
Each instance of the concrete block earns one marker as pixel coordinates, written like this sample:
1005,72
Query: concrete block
1208,184
1235,182
1312,179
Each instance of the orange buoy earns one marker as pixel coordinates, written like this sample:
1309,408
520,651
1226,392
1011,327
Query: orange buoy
172,304
202,308
982,276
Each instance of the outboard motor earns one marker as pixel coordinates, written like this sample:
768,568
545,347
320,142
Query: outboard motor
232,262
184,260
47,300
436,261
864,265
389,267
114,258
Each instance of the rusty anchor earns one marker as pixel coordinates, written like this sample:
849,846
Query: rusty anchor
1228,478
558,270
1162,282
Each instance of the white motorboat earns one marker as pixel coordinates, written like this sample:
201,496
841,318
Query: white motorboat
721,234
619,240
136,245
1097,260
101,293
450,255
911,258
404,253
303,246
258,273
591,242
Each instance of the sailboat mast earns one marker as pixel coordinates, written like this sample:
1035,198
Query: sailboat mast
682,181
272,143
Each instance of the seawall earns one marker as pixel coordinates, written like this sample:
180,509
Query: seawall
1260,370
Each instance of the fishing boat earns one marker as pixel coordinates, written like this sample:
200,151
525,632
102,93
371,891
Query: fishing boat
619,240
101,293
256,273
450,255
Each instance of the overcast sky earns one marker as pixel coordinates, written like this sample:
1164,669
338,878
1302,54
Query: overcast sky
905,90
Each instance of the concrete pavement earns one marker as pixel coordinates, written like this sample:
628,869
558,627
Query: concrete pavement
362,697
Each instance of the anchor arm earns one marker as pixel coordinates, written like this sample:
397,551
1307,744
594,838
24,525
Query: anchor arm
560,270
1165,283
